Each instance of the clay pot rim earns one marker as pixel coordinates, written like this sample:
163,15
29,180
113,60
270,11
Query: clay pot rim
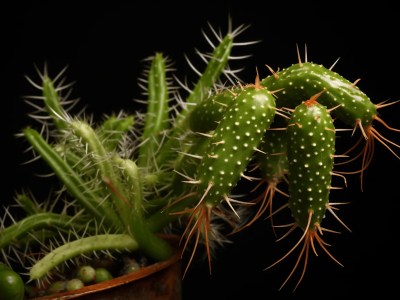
123,279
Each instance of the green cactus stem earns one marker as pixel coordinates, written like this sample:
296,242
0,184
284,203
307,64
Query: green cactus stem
110,242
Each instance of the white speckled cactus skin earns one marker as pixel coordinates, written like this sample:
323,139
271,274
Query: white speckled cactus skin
311,148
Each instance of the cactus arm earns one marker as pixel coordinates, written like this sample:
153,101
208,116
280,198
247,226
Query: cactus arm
157,115
103,162
121,242
205,83
53,104
213,70
75,185
112,130
14,232
149,243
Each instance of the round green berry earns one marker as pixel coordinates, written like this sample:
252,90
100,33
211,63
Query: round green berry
102,274
74,284
87,274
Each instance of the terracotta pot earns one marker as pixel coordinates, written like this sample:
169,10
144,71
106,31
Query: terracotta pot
162,280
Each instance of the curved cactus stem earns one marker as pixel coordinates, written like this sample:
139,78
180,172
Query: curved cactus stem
103,162
118,242
14,232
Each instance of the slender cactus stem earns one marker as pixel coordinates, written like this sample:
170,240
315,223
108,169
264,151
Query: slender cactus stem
157,114
152,245
117,242
15,232
104,164
95,206
205,83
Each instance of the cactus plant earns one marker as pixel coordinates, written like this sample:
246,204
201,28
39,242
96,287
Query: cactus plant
175,167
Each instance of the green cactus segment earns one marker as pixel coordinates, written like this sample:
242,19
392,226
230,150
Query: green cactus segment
110,242
113,129
272,161
53,103
102,159
207,114
204,85
96,206
303,80
311,147
87,134
234,142
151,245
15,232
213,71
157,114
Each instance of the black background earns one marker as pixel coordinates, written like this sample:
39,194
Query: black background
104,45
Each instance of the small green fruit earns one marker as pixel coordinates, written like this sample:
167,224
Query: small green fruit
102,274
74,284
58,286
87,274
11,284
